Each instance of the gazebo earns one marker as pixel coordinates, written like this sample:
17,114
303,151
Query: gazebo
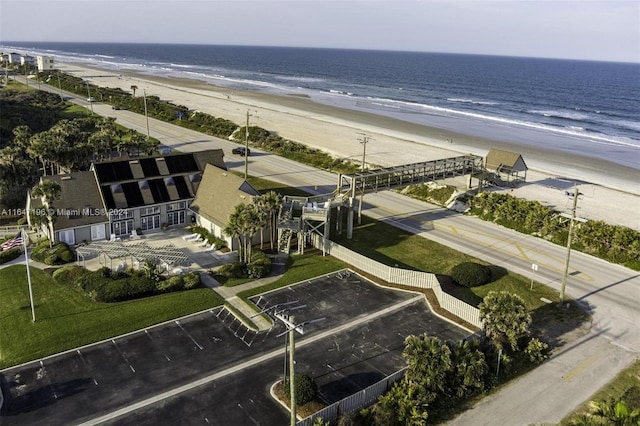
509,167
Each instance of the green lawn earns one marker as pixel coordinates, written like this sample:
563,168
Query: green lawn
66,319
393,246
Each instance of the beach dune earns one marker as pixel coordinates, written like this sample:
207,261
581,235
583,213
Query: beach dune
611,191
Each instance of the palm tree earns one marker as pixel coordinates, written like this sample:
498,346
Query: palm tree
134,88
505,319
613,412
269,204
243,224
48,191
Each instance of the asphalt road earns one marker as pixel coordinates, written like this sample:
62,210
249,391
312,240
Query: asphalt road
610,292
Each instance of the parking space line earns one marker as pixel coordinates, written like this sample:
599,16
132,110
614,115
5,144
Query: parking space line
248,363
86,366
151,338
43,374
188,335
123,355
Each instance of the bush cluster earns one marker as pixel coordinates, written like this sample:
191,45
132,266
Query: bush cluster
58,254
471,274
613,243
105,285
306,389
259,267
208,236
9,255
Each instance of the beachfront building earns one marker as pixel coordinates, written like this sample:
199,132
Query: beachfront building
13,58
509,167
219,193
45,63
118,198
27,60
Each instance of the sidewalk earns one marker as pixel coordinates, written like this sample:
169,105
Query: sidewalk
230,294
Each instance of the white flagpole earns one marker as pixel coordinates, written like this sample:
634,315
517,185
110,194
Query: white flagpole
26,262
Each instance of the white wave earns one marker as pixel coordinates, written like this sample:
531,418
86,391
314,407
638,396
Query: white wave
471,101
560,114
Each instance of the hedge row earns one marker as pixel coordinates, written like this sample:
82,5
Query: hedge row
105,285
58,254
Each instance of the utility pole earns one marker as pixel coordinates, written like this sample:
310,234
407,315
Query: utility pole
246,147
572,218
279,312
364,141
146,113
89,99
60,86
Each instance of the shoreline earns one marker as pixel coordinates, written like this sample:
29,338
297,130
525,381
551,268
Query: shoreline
393,141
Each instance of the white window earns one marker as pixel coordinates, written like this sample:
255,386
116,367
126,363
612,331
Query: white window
149,222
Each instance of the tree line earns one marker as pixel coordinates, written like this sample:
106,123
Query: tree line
613,243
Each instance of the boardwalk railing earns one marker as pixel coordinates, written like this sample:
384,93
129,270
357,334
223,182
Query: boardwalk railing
9,231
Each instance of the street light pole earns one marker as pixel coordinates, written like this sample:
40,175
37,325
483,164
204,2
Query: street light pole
292,387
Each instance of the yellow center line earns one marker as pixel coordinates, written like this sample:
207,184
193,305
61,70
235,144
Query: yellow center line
524,255
583,365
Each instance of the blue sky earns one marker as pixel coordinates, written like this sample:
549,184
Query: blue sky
571,29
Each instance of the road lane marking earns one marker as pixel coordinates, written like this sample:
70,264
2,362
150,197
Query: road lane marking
584,365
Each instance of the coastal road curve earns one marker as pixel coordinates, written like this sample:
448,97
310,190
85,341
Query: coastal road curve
611,293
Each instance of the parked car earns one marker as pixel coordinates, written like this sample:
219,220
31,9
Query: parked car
241,151
116,107
90,99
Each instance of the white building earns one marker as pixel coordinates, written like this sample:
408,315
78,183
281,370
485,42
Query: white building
26,59
14,58
45,63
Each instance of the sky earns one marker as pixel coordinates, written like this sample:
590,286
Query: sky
569,29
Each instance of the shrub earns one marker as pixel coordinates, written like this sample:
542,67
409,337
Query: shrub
68,275
260,265
306,389
471,274
233,270
191,280
174,283
537,351
6,256
59,254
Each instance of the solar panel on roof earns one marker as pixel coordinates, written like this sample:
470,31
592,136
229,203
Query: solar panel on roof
183,163
108,198
182,187
104,172
149,167
132,194
159,191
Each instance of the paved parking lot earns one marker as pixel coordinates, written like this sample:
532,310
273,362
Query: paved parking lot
201,369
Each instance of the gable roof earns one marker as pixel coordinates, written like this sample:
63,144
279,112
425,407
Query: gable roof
136,182
219,193
500,160
80,203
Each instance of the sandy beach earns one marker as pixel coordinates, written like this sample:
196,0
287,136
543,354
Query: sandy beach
611,192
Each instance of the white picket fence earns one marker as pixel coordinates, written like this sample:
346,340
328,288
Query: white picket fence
358,400
405,277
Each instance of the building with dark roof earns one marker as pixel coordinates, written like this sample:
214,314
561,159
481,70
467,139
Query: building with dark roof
508,166
118,196
219,193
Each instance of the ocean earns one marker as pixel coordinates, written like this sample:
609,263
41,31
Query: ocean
586,108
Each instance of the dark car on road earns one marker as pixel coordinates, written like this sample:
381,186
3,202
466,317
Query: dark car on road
241,151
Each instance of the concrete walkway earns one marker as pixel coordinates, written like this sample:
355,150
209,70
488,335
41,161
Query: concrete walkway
230,294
